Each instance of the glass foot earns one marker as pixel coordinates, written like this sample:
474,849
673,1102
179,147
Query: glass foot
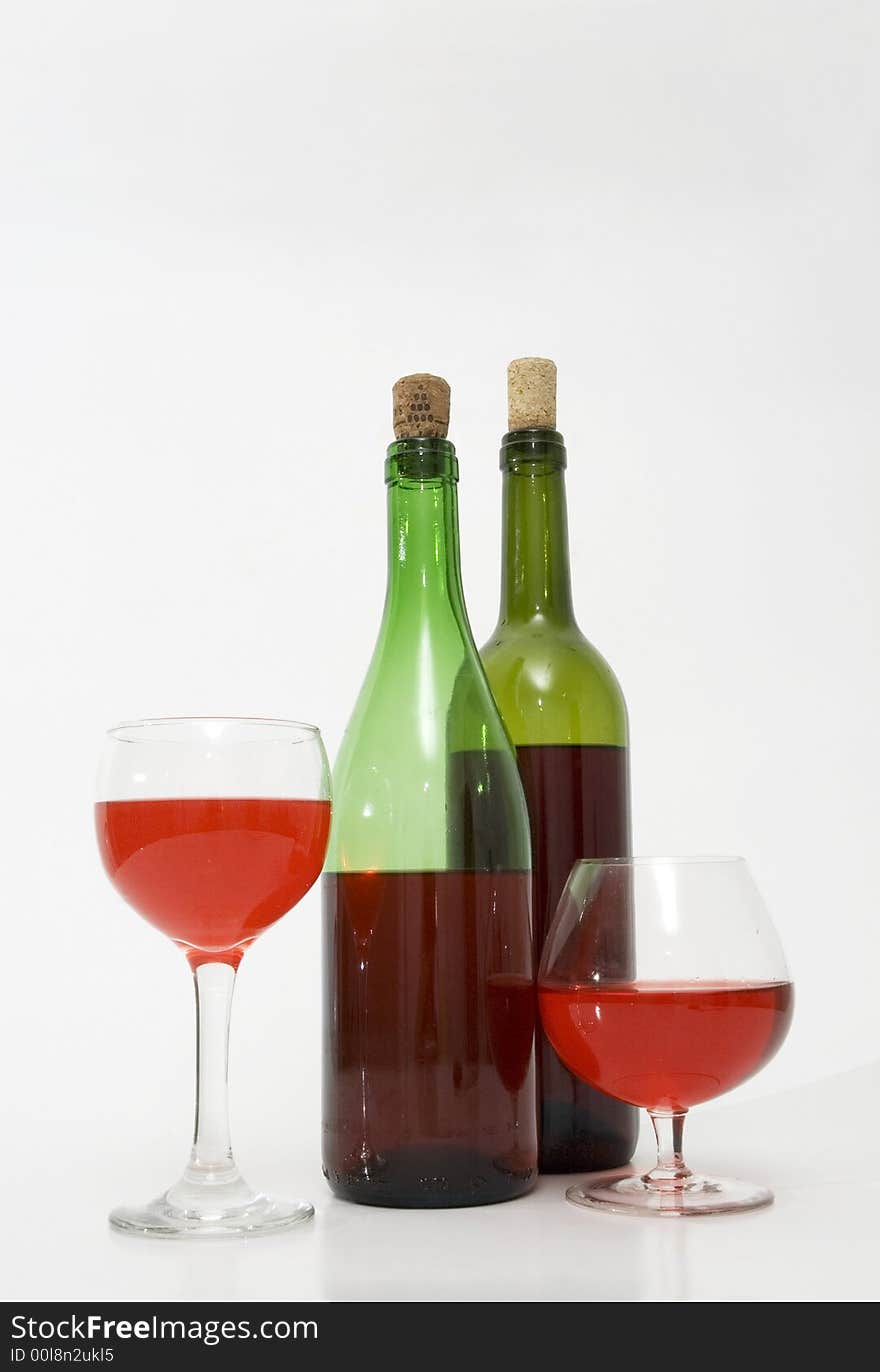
697,1196
190,1211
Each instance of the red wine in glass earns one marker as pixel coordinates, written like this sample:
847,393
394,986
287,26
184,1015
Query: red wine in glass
213,873
664,1045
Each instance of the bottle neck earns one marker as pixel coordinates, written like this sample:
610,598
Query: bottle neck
424,565
535,571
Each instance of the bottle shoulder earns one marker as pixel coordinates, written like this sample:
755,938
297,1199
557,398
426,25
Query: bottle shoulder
426,778
425,694
553,686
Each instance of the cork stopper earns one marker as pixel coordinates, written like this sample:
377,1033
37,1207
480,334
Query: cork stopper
531,393
421,406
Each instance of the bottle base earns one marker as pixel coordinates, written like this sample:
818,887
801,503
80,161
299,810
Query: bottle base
600,1140
417,1178
569,1159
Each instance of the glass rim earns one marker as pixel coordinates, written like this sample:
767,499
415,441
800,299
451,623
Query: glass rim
658,860
140,730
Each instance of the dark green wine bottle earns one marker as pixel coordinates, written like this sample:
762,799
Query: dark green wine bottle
429,1095
567,718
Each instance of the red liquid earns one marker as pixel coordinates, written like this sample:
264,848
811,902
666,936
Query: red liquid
511,1009
663,1045
578,799
213,874
429,1096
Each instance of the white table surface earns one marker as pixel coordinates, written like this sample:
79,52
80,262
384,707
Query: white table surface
815,1146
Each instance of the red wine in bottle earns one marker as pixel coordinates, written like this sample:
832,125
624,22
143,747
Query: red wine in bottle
567,718
429,1074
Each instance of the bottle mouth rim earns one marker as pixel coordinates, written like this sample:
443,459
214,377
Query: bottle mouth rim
529,448
421,459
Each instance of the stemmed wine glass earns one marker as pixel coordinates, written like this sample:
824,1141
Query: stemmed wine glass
705,1003
212,829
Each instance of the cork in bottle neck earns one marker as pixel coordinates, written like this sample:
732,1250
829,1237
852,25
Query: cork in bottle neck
531,394
421,406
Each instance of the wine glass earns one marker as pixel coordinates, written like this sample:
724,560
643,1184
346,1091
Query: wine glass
212,829
707,1003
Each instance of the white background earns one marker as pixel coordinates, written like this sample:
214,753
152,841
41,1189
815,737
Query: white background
226,230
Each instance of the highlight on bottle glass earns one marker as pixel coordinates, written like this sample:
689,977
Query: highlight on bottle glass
663,983
212,829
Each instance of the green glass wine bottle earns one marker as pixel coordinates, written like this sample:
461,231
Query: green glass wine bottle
567,718
429,1096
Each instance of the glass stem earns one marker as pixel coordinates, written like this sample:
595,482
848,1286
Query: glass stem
670,1173
211,1159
